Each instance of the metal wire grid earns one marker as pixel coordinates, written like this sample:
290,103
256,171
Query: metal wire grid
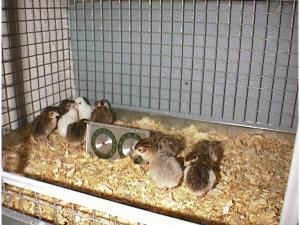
52,210
36,58
223,61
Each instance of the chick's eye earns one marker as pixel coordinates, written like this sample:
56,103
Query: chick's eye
141,149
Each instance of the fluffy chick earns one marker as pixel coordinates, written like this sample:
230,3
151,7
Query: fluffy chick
76,132
70,117
102,112
199,174
170,144
159,142
43,125
209,152
164,169
84,108
63,107
199,179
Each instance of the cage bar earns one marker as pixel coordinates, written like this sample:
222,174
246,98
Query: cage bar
203,59
160,55
294,109
274,67
103,55
263,60
112,53
181,62
250,62
171,53
141,50
238,61
121,40
227,56
193,55
150,54
288,63
77,47
130,56
215,63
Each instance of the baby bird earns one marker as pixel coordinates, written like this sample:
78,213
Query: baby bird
43,125
76,132
200,166
63,107
159,142
170,144
70,117
83,107
210,153
199,178
102,112
164,169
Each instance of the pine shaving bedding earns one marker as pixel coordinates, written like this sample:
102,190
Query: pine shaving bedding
254,174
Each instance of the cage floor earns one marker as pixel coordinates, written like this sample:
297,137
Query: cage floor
254,173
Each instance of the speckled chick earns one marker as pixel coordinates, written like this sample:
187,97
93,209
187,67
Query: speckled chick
170,144
164,169
102,112
43,125
84,108
159,142
199,176
199,179
70,117
63,107
209,152
76,132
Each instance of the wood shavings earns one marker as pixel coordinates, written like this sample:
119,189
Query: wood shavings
253,175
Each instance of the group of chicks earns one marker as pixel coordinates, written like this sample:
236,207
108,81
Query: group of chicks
199,169
159,152
70,119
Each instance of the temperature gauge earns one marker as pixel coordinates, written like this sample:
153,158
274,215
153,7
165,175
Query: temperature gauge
104,143
127,143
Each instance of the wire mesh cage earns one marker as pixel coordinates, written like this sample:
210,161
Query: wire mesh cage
229,62
208,60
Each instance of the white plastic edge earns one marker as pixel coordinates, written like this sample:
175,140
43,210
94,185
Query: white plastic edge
289,213
123,211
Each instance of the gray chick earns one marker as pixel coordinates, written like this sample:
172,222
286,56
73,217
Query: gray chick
76,132
164,169
44,124
102,112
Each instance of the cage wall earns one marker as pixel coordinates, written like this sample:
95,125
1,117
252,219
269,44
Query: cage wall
225,61
36,59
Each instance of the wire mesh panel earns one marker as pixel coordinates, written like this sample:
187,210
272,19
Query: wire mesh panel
35,58
225,61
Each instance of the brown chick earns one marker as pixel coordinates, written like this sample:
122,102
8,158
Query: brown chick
159,142
102,112
199,179
76,133
43,125
170,144
63,107
209,152
201,166
164,169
